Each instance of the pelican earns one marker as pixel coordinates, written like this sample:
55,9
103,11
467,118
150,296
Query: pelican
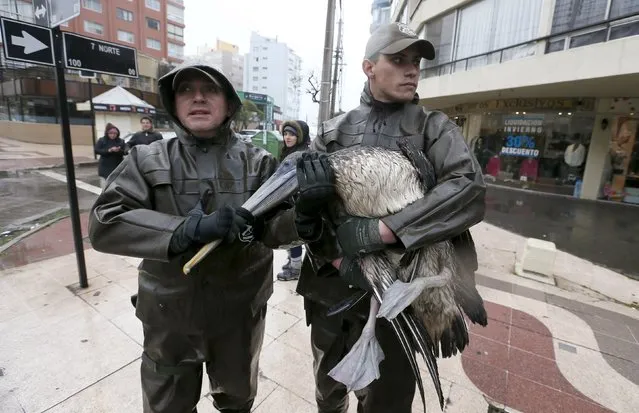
423,292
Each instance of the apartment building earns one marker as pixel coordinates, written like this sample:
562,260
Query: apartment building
225,57
272,68
153,27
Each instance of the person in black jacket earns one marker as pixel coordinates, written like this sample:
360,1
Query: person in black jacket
111,149
296,139
146,136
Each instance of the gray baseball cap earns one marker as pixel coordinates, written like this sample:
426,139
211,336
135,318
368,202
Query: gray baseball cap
393,38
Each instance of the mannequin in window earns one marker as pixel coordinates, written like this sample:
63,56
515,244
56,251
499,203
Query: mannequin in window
529,168
575,153
494,166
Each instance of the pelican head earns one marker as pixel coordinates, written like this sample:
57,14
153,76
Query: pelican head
277,189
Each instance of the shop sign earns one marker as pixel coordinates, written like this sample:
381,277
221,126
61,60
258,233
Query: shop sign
520,140
122,108
524,105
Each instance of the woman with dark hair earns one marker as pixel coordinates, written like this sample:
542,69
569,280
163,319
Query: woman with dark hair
111,149
296,138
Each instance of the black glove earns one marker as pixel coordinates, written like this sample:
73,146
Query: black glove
246,227
316,183
359,236
316,189
202,228
351,272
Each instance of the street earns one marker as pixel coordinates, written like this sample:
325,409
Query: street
27,195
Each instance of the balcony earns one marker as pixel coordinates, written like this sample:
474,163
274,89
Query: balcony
599,60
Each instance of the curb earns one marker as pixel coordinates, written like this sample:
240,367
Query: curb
20,237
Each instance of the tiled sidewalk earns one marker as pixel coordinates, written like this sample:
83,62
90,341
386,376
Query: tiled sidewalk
544,350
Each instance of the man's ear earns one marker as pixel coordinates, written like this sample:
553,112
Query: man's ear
368,68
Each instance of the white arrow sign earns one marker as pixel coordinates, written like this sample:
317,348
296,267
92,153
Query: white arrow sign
40,12
30,43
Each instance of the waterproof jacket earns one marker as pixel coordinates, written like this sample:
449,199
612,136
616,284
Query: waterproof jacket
109,160
445,213
147,198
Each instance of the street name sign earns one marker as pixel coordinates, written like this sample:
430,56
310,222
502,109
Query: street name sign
52,13
86,53
27,42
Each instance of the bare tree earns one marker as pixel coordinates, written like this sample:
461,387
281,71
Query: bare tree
314,89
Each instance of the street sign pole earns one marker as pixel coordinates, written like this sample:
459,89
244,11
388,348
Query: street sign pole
68,156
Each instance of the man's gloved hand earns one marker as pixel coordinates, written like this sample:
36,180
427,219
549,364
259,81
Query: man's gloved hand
316,189
202,228
316,183
246,227
351,272
359,236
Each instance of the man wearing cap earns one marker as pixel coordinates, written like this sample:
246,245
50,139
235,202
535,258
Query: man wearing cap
329,278
163,203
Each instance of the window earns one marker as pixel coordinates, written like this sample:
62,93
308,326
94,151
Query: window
624,30
255,78
174,32
152,23
153,4
492,24
588,38
95,5
256,69
125,36
175,13
153,44
573,14
21,9
123,14
440,33
175,50
620,8
93,27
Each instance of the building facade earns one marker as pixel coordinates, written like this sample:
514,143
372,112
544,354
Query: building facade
225,57
153,27
546,91
381,13
273,69
28,101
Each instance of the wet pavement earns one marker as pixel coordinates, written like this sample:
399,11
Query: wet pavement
17,155
605,233
25,195
50,242
545,350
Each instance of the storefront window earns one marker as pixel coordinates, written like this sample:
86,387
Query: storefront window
542,151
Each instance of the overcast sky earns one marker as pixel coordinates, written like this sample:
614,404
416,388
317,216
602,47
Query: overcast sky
303,31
